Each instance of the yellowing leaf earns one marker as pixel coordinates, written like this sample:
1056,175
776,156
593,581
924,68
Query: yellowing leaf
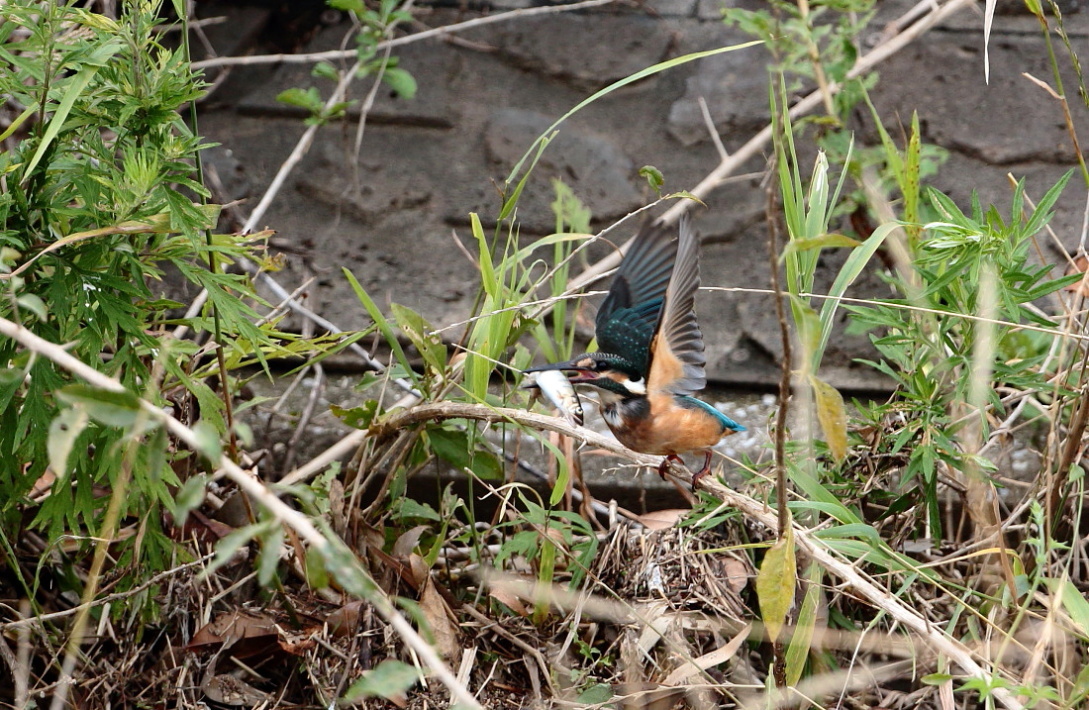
775,584
828,239
832,416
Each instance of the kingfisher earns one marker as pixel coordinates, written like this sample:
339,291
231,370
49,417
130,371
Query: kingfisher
650,360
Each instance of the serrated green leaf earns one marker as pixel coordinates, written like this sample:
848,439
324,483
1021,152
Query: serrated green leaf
388,679
775,584
408,508
832,415
108,407
63,432
357,417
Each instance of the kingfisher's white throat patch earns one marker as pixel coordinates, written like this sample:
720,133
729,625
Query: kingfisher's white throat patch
635,386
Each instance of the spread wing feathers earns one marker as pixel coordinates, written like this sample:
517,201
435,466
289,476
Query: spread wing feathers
677,360
631,312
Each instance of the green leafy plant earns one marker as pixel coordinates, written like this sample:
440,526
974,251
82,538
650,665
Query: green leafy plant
102,197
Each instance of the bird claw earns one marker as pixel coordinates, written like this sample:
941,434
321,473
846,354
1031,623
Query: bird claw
664,465
698,475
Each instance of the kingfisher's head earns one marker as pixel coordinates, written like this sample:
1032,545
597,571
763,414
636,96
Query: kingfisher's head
610,373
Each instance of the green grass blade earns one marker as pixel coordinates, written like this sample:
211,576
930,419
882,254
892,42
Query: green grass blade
74,89
383,324
642,74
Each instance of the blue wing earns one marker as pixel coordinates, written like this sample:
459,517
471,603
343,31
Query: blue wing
629,316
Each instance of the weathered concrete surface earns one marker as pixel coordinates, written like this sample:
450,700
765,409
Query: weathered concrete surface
393,212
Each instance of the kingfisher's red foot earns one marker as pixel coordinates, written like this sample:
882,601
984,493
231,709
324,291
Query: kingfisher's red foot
664,465
696,477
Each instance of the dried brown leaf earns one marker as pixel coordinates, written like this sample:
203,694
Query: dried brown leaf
345,620
440,620
661,519
408,540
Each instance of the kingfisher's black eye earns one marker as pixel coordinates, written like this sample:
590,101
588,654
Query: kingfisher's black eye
601,366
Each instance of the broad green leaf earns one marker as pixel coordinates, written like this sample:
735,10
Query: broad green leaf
63,432
308,99
387,680
419,331
268,559
34,304
324,70
832,415
596,695
452,446
487,465
402,83
775,584
1075,604
208,444
109,407
654,178
408,508
189,497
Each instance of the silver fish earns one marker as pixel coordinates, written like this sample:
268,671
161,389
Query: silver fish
558,390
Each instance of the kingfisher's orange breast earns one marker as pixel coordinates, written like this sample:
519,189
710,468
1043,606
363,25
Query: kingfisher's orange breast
669,429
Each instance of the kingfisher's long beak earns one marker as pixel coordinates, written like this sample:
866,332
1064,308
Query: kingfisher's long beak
570,368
